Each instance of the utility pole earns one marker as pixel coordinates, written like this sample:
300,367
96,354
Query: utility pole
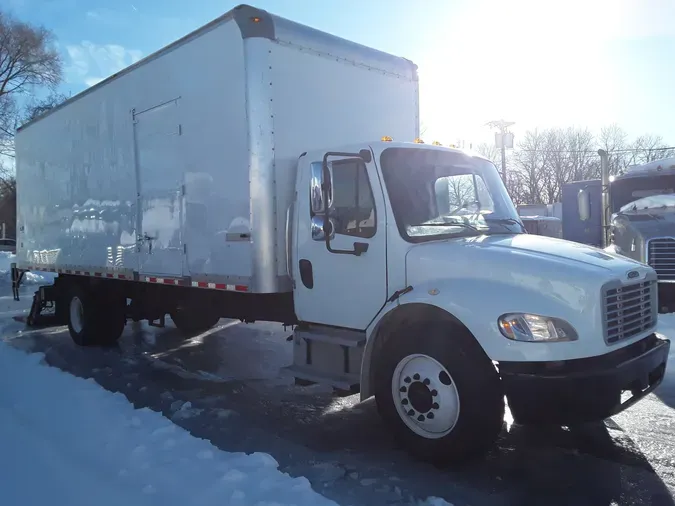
503,140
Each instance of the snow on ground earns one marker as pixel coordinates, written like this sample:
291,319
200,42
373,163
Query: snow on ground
30,278
66,440
667,389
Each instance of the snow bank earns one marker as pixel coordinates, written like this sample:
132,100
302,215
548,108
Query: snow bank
66,440
30,278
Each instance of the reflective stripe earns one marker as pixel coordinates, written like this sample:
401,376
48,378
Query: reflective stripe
164,281
146,279
109,275
220,286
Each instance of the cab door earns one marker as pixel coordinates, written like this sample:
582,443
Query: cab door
343,281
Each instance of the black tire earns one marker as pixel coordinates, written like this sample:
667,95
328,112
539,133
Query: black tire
193,322
477,383
101,321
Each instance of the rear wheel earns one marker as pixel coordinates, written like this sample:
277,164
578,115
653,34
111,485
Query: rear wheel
192,321
440,393
94,319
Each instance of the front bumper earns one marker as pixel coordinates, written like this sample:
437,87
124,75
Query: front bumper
587,389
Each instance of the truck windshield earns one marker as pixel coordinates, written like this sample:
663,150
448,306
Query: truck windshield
625,191
436,193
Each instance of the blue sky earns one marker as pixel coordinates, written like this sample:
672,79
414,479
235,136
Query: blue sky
581,63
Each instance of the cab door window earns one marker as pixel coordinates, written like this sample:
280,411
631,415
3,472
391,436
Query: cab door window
353,207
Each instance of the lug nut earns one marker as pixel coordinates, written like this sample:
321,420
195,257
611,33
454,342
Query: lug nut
416,377
404,402
411,412
420,418
403,389
435,405
430,416
407,379
434,393
426,381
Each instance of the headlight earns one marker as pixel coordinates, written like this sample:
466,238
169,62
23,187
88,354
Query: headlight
535,328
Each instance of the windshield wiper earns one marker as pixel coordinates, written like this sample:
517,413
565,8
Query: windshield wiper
507,221
450,224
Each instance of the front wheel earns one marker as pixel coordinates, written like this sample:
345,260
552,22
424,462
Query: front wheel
440,393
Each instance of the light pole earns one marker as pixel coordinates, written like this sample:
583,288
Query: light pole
503,140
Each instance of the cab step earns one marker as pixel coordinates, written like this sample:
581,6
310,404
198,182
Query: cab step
328,356
308,375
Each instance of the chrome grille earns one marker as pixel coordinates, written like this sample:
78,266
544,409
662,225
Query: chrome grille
661,257
629,310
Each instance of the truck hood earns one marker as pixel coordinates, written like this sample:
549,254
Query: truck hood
478,279
513,255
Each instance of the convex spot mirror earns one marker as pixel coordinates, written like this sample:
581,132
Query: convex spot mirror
584,204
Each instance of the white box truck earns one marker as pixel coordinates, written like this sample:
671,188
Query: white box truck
248,171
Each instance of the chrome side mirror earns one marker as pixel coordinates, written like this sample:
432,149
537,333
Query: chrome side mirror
315,188
321,225
584,204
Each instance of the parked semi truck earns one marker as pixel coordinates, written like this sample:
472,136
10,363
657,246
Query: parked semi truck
256,170
632,214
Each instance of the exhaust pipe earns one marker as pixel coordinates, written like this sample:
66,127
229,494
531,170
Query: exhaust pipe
604,180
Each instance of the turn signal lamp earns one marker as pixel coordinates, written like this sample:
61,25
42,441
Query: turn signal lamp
436,143
418,141
386,138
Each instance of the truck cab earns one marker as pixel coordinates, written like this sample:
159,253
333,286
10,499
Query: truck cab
639,221
414,280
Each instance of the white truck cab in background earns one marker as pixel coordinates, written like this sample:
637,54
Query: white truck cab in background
267,192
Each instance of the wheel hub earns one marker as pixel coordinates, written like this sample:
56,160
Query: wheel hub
426,397
420,397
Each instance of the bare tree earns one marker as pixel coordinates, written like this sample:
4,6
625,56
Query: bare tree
528,167
489,151
28,58
546,160
568,156
614,140
29,61
647,148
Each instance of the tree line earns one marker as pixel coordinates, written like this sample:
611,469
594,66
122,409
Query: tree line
545,160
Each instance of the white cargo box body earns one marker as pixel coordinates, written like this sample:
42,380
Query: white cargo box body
182,167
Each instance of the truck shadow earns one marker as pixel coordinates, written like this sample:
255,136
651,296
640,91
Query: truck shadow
225,386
